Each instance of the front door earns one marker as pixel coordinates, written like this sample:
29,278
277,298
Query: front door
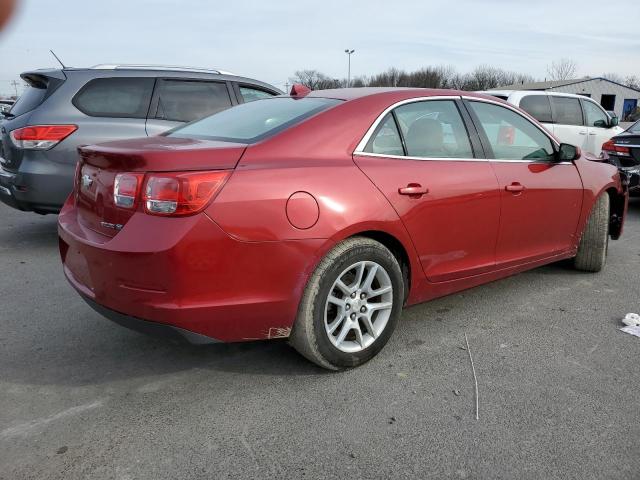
541,199
568,121
598,125
421,157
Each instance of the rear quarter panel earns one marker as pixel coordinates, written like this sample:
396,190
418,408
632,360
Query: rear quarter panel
315,157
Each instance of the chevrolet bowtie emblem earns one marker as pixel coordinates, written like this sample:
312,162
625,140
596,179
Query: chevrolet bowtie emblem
86,180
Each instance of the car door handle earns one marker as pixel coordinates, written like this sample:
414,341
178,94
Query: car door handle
515,187
413,189
583,133
593,133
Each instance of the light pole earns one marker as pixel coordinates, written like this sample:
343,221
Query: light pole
349,53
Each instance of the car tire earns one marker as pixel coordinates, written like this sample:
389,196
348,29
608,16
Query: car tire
367,324
594,243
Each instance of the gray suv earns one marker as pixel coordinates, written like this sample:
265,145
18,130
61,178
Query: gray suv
63,109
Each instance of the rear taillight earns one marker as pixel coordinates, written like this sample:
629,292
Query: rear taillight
126,189
181,193
175,193
611,147
41,137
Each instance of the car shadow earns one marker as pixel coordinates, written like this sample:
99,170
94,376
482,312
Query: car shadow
39,231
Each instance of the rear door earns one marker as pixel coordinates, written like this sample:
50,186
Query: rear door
541,199
178,100
568,121
424,160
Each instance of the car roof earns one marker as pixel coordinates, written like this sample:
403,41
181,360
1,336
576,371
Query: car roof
397,93
121,70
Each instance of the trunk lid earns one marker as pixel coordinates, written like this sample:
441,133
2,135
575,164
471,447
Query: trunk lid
99,165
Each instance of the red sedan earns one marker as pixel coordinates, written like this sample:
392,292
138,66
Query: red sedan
318,216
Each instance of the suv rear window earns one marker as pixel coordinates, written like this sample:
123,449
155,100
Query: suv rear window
254,121
538,107
188,100
115,97
30,99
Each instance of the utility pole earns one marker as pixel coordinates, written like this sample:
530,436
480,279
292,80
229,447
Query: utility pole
349,53
15,86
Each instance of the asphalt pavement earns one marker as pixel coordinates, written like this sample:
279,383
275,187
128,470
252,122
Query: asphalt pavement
559,385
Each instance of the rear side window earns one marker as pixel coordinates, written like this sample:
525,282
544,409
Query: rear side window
538,107
254,121
115,97
386,140
567,111
187,100
29,100
250,94
434,129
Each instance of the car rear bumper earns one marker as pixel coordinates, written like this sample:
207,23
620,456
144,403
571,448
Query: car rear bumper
39,185
188,273
150,328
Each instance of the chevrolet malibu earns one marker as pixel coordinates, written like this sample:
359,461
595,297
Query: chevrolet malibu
317,216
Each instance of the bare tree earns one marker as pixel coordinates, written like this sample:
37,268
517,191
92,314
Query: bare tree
632,81
314,79
563,69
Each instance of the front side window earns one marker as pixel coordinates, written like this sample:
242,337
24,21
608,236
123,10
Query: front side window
115,97
595,115
567,110
510,135
186,100
254,121
250,94
434,129
386,140
538,107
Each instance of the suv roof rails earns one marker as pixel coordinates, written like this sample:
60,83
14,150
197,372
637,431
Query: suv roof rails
175,68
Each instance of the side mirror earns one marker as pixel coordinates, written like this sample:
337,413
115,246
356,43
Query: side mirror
601,123
615,121
568,153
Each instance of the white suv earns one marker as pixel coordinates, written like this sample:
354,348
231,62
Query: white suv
573,119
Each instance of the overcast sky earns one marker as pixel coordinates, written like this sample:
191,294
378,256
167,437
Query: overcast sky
270,39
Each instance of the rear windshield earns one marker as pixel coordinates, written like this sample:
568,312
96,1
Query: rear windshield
254,121
30,99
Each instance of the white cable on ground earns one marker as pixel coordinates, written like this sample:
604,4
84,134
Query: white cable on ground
473,368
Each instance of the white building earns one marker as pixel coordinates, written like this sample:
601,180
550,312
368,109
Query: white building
611,95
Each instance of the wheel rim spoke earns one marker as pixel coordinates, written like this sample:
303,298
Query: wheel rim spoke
369,326
380,306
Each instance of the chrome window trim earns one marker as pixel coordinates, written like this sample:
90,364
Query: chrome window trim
367,136
456,159
359,150
421,159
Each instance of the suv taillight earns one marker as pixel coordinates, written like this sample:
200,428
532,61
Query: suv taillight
41,137
611,147
168,194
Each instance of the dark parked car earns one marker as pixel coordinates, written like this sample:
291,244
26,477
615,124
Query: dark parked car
63,109
624,152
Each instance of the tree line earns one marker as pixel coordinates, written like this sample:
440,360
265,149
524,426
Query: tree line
483,77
